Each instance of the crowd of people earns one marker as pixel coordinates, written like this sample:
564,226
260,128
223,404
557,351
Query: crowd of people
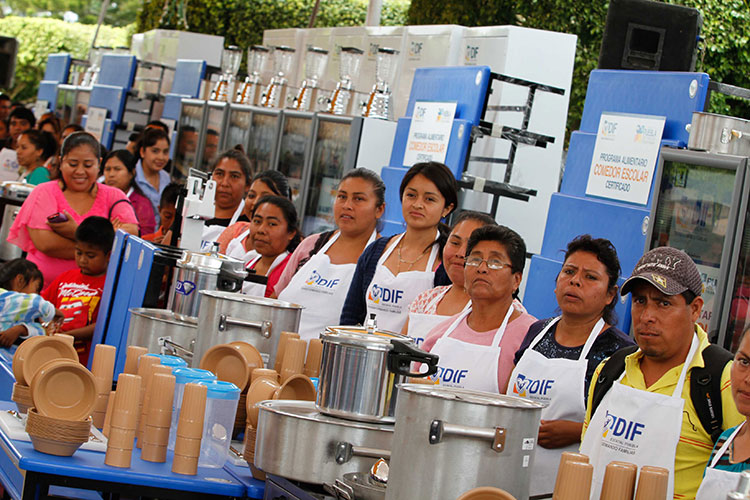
453,289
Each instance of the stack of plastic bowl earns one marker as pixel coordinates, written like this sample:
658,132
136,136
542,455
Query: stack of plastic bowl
30,356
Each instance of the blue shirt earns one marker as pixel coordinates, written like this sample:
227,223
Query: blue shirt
724,463
153,194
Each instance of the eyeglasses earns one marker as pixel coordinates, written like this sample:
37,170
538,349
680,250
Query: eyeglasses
494,264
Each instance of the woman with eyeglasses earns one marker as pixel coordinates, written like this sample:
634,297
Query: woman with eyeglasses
560,354
476,346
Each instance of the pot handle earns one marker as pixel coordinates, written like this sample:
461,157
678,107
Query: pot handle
175,348
404,353
339,490
439,429
263,326
346,451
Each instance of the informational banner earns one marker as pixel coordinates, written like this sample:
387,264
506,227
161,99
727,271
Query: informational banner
625,154
430,132
95,121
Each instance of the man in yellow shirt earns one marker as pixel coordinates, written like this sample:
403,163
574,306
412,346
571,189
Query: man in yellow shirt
647,416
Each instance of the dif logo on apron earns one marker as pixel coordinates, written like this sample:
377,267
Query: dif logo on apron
620,434
320,283
385,296
539,390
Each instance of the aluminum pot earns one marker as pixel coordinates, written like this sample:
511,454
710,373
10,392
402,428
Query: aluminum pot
296,442
161,332
448,441
360,369
202,271
720,134
225,317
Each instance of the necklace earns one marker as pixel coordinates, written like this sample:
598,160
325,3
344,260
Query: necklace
402,261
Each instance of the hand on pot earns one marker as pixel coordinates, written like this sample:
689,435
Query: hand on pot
559,433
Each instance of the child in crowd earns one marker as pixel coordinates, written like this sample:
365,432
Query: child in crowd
78,291
20,304
167,210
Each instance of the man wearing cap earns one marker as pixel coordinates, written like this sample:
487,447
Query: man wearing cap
647,416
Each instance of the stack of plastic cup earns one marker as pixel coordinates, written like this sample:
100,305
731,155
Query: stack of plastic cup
102,367
108,416
132,356
221,408
146,396
158,418
123,421
189,430
183,376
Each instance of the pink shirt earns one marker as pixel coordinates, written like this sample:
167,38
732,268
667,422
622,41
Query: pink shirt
509,344
230,233
46,199
303,250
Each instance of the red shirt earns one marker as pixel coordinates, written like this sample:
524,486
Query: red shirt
78,296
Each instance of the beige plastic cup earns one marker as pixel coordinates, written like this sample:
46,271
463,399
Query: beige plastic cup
69,339
282,348
187,447
108,416
263,373
151,370
190,424
569,456
121,438
154,453
294,358
132,355
314,355
573,480
653,483
125,410
117,457
184,465
103,363
619,481
155,435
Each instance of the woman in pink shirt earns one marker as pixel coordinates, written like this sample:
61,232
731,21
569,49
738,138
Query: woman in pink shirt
46,224
476,347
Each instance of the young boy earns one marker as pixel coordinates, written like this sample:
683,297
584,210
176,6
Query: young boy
167,210
77,292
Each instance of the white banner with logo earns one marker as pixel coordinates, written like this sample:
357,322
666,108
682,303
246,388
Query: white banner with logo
95,121
430,132
625,154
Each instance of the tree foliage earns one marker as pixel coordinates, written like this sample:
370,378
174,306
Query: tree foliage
726,29
37,38
119,12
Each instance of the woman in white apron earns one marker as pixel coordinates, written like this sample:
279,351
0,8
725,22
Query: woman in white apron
274,233
731,455
231,172
436,305
268,182
393,271
476,346
558,356
319,281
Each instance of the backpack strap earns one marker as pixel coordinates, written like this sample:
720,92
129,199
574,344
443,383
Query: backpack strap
611,371
319,243
705,389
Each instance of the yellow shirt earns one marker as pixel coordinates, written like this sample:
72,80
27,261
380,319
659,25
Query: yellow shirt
695,445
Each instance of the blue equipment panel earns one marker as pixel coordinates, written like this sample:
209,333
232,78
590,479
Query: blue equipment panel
109,97
58,66
118,70
48,92
467,85
172,106
188,74
659,93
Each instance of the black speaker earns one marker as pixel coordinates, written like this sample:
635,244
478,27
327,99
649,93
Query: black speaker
8,53
649,35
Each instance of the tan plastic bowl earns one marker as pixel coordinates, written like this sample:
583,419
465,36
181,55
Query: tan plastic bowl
64,390
44,350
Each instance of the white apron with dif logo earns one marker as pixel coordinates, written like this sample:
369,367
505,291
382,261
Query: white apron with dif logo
320,287
640,427
718,483
257,289
236,248
466,365
389,296
559,384
421,324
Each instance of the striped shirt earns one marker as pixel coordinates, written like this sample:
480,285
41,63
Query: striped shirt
24,309
724,463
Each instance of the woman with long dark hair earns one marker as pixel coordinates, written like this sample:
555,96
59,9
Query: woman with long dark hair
392,271
119,172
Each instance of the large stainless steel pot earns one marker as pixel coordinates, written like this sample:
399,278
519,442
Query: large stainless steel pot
360,369
448,441
225,317
296,442
202,271
720,134
161,332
